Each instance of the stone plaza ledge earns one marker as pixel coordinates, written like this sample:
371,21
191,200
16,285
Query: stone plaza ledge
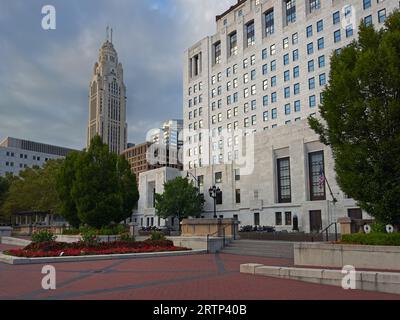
340,255
387,282
5,231
23,261
210,244
14,241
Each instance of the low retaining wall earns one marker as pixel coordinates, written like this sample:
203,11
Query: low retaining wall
72,239
17,260
5,231
200,243
340,255
14,241
387,282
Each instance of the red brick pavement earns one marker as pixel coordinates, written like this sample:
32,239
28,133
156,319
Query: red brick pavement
200,277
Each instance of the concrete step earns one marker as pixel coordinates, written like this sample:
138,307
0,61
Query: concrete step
261,248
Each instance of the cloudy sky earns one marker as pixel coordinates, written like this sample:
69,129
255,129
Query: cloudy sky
44,75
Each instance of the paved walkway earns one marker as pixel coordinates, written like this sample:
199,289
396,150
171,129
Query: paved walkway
201,277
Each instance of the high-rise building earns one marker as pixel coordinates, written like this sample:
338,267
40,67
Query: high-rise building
259,78
107,100
17,155
169,134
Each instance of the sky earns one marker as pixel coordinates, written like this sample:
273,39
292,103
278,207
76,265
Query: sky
45,74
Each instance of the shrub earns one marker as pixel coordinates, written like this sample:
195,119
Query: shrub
373,238
43,236
127,237
155,235
377,227
89,237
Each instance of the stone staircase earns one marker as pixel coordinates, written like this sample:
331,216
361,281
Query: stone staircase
270,249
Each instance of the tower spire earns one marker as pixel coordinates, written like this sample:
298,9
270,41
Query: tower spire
111,35
107,31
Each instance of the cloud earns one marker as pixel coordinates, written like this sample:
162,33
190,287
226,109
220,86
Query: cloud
44,84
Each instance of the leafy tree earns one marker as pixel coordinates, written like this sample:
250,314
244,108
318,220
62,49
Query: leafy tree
65,181
97,187
5,183
180,199
361,119
33,190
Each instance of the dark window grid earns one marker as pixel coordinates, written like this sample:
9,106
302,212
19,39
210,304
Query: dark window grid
316,163
284,183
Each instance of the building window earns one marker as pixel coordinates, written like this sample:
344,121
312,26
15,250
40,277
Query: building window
296,72
288,218
382,15
257,219
250,33
269,22
233,44
287,109
274,113
314,5
337,36
285,43
321,61
237,196
217,52
311,66
336,17
290,11
368,20
349,31
320,25
317,176
320,43
297,106
312,102
286,59
284,183
278,218
219,198
218,177
310,48
322,79
295,55
295,38
309,32
237,174
366,4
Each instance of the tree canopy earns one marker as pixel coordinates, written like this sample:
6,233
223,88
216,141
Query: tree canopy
180,199
96,187
33,190
361,119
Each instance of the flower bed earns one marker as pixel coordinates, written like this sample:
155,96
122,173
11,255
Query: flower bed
57,249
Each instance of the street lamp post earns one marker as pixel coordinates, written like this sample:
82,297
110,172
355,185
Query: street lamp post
214,192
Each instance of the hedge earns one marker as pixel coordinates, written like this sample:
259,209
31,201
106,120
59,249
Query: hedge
373,239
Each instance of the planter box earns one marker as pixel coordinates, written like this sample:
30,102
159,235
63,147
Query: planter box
340,255
72,239
5,231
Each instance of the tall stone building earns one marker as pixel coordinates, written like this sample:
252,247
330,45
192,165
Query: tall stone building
107,100
257,80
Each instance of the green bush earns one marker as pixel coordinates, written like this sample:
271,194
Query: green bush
377,227
373,238
155,235
43,236
89,237
105,231
127,237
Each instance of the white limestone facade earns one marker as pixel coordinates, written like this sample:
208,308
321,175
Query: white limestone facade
107,100
259,78
17,155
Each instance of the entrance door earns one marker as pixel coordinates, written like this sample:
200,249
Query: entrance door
355,214
257,219
315,221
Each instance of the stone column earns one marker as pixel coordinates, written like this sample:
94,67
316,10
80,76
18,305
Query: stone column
345,225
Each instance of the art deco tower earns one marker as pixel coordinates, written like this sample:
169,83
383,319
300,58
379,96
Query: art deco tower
107,100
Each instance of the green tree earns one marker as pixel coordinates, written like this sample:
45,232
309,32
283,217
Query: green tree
33,190
5,183
64,183
361,119
180,199
97,187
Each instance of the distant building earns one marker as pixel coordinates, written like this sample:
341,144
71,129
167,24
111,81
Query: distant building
107,100
148,156
18,154
169,134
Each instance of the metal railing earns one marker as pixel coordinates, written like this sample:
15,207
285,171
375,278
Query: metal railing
217,234
326,231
